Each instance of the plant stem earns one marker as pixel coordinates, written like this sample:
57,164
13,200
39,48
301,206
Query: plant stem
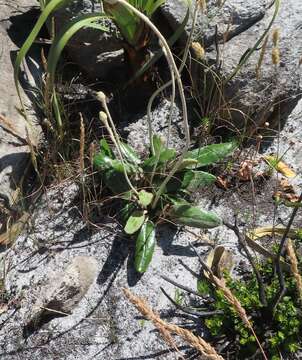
169,56
281,253
242,242
171,82
114,137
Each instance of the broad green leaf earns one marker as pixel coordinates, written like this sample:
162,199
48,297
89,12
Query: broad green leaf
104,162
105,148
145,198
134,222
211,154
115,181
47,10
145,245
165,156
129,153
194,217
126,211
192,180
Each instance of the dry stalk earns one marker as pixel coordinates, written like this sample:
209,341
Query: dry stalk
261,57
294,266
82,145
231,298
167,329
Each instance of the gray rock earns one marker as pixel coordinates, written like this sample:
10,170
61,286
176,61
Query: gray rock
246,102
138,130
234,16
62,292
273,96
104,324
97,52
14,151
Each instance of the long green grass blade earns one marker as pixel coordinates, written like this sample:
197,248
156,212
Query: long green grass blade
64,36
49,8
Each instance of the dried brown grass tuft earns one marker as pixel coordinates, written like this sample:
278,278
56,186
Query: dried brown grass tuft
294,266
167,329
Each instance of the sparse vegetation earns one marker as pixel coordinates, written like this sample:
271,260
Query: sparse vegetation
255,314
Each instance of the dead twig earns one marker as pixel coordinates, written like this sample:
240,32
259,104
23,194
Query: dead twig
189,311
280,253
231,298
242,242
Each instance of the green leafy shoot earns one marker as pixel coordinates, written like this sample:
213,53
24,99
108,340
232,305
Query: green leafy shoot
138,215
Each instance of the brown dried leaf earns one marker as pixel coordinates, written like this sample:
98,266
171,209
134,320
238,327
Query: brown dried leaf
222,182
246,170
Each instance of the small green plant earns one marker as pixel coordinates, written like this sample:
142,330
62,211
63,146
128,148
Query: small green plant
134,30
279,330
131,26
138,183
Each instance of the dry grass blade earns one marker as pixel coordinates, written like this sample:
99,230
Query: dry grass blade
231,298
82,145
294,266
167,329
14,230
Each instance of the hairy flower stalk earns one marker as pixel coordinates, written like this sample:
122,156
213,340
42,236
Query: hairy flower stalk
171,82
104,117
170,59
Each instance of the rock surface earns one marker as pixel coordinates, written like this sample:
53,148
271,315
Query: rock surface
247,102
138,135
103,324
273,95
58,249
64,289
15,21
233,16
